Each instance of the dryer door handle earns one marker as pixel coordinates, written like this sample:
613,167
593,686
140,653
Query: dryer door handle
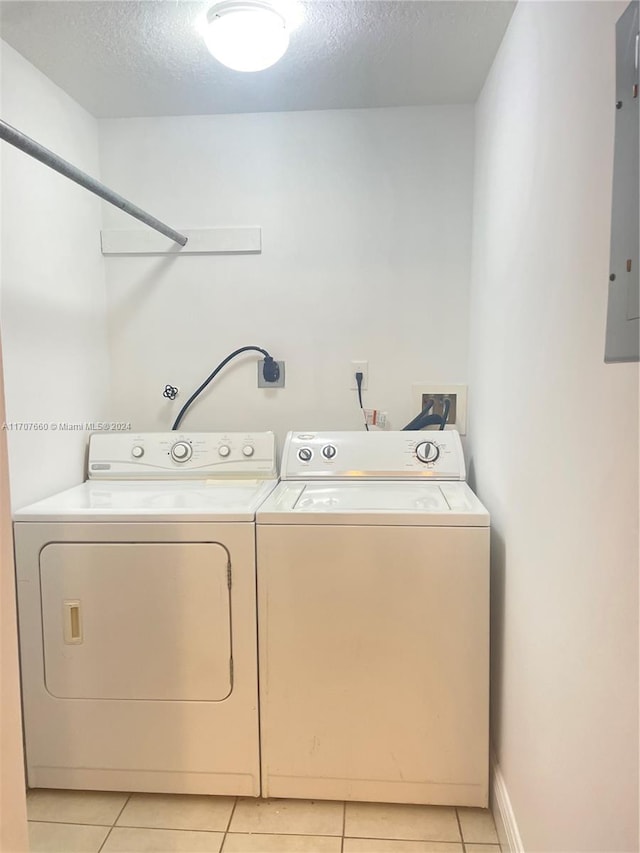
72,622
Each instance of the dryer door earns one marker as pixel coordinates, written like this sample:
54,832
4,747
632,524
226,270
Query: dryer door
136,620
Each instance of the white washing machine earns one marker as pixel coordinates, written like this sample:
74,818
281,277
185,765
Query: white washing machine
373,614
137,603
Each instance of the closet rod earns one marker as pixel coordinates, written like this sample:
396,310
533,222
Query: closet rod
39,152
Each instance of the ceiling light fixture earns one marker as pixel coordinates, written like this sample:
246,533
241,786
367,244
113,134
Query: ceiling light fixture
247,35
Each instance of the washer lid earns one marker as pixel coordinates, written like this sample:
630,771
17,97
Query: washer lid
129,500
445,504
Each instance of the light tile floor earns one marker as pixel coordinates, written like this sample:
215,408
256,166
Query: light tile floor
95,822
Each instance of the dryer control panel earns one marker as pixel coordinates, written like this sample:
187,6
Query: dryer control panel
182,455
373,456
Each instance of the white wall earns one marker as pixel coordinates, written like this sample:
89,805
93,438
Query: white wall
366,218
53,298
554,434
13,807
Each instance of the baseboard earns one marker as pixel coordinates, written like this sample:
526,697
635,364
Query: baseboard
503,815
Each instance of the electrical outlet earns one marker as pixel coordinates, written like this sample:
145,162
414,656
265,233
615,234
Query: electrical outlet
262,382
457,394
359,367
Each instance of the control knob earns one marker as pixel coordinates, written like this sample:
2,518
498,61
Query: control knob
137,452
247,450
181,451
305,454
427,451
224,450
328,451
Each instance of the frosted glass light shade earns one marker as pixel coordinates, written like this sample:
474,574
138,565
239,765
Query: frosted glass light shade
246,35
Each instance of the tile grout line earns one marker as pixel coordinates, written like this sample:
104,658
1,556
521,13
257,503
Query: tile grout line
119,815
262,832
106,838
69,823
464,848
226,832
188,829
344,824
403,840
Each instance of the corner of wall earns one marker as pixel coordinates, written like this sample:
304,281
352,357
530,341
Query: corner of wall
54,297
503,814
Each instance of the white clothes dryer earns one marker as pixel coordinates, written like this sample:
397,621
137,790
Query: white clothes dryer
373,613
136,597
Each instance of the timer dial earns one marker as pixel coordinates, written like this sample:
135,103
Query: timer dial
137,452
247,450
181,451
427,451
224,450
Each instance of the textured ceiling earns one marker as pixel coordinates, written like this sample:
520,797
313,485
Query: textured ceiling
131,58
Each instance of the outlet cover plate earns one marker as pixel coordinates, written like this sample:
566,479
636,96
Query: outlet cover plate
359,367
420,393
262,382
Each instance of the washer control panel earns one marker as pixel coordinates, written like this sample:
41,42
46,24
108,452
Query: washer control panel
373,456
182,455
